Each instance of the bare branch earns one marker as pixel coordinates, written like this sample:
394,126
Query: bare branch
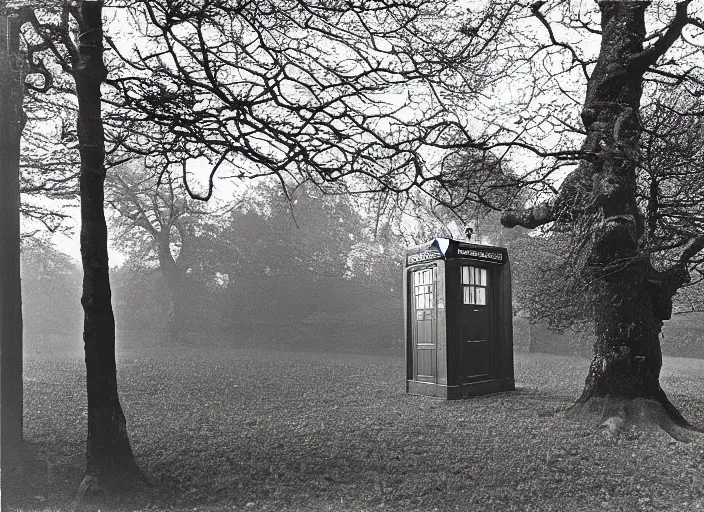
535,9
649,56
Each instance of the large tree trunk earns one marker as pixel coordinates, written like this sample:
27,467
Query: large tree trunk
109,454
630,299
630,302
627,293
627,357
11,123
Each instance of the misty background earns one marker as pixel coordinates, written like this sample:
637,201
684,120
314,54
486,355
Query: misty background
260,270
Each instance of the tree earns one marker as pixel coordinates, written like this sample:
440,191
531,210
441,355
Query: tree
348,93
11,124
316,230
156,219
109,454
279,247
670,198
18,65
629,297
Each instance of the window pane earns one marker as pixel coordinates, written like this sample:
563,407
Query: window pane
474,280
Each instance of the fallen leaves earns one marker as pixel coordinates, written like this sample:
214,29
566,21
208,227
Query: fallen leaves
268,430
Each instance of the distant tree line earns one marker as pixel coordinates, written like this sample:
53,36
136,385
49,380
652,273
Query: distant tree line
308,263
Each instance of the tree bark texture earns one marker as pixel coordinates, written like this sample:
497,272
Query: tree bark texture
12,72
630,298
109,454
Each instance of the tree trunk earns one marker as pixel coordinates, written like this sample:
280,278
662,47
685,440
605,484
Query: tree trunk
174,284
627,357
11,124
109,454
629,298
630,301
531,337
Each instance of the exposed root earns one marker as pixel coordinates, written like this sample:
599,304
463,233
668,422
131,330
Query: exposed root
91,493
652,415
98,492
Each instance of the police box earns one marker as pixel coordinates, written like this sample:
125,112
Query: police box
458,319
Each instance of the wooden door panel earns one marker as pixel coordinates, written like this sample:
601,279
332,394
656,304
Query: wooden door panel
475,323
426,365
425,332
476,358
423,284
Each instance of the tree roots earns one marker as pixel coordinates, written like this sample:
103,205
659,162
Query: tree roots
648,414
108,491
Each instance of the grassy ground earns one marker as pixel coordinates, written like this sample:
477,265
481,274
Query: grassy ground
274,430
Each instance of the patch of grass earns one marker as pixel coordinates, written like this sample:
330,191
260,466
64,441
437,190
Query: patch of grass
235,429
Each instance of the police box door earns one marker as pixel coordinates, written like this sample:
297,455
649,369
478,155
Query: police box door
475,322
424,324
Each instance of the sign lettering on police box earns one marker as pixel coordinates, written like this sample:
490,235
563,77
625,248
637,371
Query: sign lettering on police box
481,255
422,256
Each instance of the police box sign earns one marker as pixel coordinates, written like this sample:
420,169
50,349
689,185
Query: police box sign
423,256
481,254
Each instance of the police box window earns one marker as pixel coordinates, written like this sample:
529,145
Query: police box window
474,285
423,288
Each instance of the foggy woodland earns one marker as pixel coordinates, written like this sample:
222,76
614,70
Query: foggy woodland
205,209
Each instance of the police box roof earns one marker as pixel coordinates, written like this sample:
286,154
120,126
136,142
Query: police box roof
447,248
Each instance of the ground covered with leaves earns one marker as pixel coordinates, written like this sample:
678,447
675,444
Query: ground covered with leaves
255,430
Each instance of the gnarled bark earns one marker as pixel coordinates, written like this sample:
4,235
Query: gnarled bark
630,301
629,298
